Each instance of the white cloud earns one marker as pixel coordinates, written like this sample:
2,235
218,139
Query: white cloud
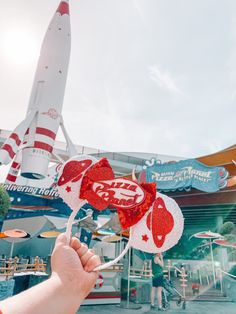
143,75
164,80
139,10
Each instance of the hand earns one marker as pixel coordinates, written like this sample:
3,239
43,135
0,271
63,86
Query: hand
74,266
159,259
71,281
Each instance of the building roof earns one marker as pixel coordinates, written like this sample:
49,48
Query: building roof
222,158
122,162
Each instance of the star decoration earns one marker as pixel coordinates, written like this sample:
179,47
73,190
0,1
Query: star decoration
145,238
68,189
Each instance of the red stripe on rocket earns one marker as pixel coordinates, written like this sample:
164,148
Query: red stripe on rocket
14,169
38,131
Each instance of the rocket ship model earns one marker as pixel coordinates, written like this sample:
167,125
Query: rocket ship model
33,139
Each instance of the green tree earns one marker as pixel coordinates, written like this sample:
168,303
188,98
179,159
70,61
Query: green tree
233,271
230,238
4,202
227,228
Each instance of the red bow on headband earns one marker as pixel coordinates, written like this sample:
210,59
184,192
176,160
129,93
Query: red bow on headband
101,189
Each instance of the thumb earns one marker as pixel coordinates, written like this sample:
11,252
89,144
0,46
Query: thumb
61,240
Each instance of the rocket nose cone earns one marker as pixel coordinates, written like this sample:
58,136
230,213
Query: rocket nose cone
63,8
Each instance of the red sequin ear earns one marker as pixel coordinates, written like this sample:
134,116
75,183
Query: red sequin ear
100,171
160,221
73,171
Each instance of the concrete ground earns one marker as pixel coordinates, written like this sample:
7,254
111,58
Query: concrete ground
191,308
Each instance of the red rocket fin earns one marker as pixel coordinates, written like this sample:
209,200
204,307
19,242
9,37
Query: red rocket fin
11,145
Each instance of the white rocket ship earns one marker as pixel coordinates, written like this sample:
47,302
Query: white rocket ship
33,139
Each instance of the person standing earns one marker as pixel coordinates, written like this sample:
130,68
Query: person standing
157,281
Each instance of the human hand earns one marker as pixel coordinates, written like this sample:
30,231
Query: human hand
71,281
74,265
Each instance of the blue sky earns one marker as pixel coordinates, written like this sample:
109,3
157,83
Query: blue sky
145,75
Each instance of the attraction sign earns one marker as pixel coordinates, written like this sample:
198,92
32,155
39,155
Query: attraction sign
37,191
184,175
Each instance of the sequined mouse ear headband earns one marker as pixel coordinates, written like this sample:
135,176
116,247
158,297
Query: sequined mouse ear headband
83,179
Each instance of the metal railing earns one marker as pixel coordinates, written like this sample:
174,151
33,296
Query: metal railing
183,277
12,266
221,278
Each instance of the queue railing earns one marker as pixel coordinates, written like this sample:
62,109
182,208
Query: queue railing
221,277
12,266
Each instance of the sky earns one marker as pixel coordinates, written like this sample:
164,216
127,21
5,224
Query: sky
155,76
